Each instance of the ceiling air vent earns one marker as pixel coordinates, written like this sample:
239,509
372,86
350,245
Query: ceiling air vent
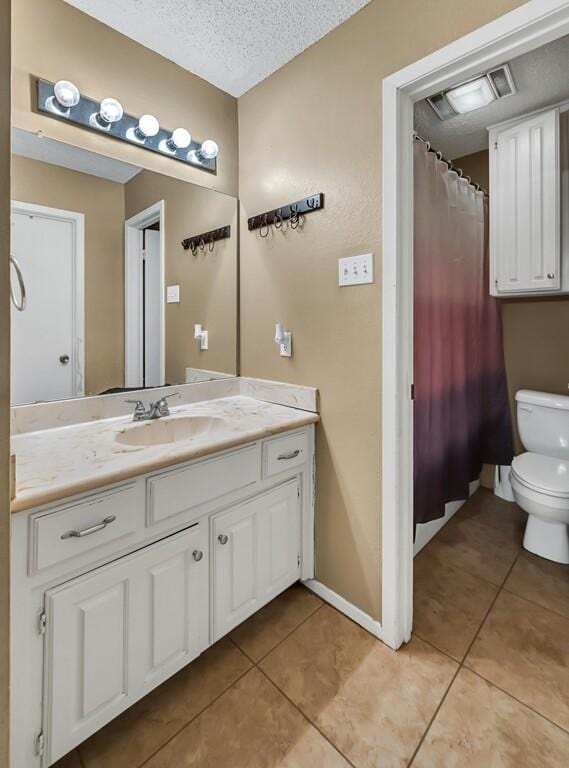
502,81
473,94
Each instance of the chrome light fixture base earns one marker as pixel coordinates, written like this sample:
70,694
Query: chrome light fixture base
85,114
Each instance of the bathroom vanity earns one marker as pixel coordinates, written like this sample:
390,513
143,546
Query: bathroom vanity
149,543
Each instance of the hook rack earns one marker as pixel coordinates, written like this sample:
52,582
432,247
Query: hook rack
206,239
288,212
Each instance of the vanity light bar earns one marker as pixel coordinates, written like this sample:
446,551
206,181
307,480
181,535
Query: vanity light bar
63,101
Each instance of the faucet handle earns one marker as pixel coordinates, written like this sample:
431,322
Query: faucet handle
162,404
139,409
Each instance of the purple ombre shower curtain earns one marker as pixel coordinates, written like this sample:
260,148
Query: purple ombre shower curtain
461,411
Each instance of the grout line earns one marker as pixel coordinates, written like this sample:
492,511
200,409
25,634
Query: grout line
264,656
533,602
305,716
436,712
515,698
202,710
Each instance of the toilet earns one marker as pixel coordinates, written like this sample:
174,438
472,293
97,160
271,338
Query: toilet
540,477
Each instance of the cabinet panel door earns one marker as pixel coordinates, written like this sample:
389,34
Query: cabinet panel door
525,216
279,540
118,631
235,575
256,550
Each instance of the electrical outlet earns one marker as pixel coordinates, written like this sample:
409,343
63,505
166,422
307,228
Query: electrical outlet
286,345
355,270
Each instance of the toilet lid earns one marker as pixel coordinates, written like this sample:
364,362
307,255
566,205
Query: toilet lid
545,474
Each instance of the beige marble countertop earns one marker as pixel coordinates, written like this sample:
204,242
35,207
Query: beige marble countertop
56,463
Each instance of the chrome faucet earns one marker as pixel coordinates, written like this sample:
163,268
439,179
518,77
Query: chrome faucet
154,411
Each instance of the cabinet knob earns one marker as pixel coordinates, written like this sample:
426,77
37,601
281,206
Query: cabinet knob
222,538
197,555
550,275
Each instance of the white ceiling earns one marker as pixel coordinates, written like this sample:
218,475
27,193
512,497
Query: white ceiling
232,44
55,152
541,77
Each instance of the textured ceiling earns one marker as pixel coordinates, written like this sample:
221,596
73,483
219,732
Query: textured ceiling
232,44
541,77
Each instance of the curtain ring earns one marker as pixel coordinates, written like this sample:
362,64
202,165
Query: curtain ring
211,245
278,221
265,224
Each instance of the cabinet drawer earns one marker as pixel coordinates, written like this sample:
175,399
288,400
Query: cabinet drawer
80,527
185,489
284,452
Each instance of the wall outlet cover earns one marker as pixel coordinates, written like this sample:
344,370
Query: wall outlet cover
286,345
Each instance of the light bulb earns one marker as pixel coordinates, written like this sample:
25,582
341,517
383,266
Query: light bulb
180,139
148,126
110,111
66,94
209,149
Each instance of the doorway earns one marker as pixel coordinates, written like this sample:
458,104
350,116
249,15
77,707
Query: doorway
524,29
144,299
47,337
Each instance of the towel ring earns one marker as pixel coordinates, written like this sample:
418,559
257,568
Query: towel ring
20,305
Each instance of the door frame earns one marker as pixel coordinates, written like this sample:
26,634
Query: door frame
523,29
77,221
133,294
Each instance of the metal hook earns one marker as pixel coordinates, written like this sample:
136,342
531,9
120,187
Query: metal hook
202,244
278,220
294,219
211,245
265,224
310,202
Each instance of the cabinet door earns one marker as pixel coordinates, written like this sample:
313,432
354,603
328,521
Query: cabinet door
115,633
525,214
256,551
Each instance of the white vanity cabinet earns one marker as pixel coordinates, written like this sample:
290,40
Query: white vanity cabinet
256,554
115,590
528,162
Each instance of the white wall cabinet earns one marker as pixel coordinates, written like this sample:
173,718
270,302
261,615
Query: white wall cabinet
526,254
190,552
256,554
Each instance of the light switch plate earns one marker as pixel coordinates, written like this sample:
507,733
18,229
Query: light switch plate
355,270
173,294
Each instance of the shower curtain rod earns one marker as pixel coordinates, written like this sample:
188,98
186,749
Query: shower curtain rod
448,163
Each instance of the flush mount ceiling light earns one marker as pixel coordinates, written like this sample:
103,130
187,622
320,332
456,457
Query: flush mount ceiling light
63,101
474,94
66,94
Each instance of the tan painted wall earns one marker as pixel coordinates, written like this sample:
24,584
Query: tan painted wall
208,281
536,330
54,40
4,376
102,202
315,125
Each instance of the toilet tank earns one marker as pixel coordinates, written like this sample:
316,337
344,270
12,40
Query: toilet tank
543,422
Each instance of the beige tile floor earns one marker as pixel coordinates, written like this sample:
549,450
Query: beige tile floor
483,684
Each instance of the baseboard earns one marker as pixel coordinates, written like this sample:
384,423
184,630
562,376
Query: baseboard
344,606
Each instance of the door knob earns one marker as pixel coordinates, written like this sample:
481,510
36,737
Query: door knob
64,359
222,538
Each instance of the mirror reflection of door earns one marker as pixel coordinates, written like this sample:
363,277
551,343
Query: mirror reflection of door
152,287
47,337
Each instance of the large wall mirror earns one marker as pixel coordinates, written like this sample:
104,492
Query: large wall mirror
111,296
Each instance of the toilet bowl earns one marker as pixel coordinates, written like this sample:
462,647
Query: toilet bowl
541,488
540,477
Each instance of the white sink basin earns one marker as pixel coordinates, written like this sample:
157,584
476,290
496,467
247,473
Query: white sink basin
169,430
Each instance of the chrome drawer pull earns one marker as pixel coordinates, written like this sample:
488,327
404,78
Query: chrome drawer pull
287,456
88,531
